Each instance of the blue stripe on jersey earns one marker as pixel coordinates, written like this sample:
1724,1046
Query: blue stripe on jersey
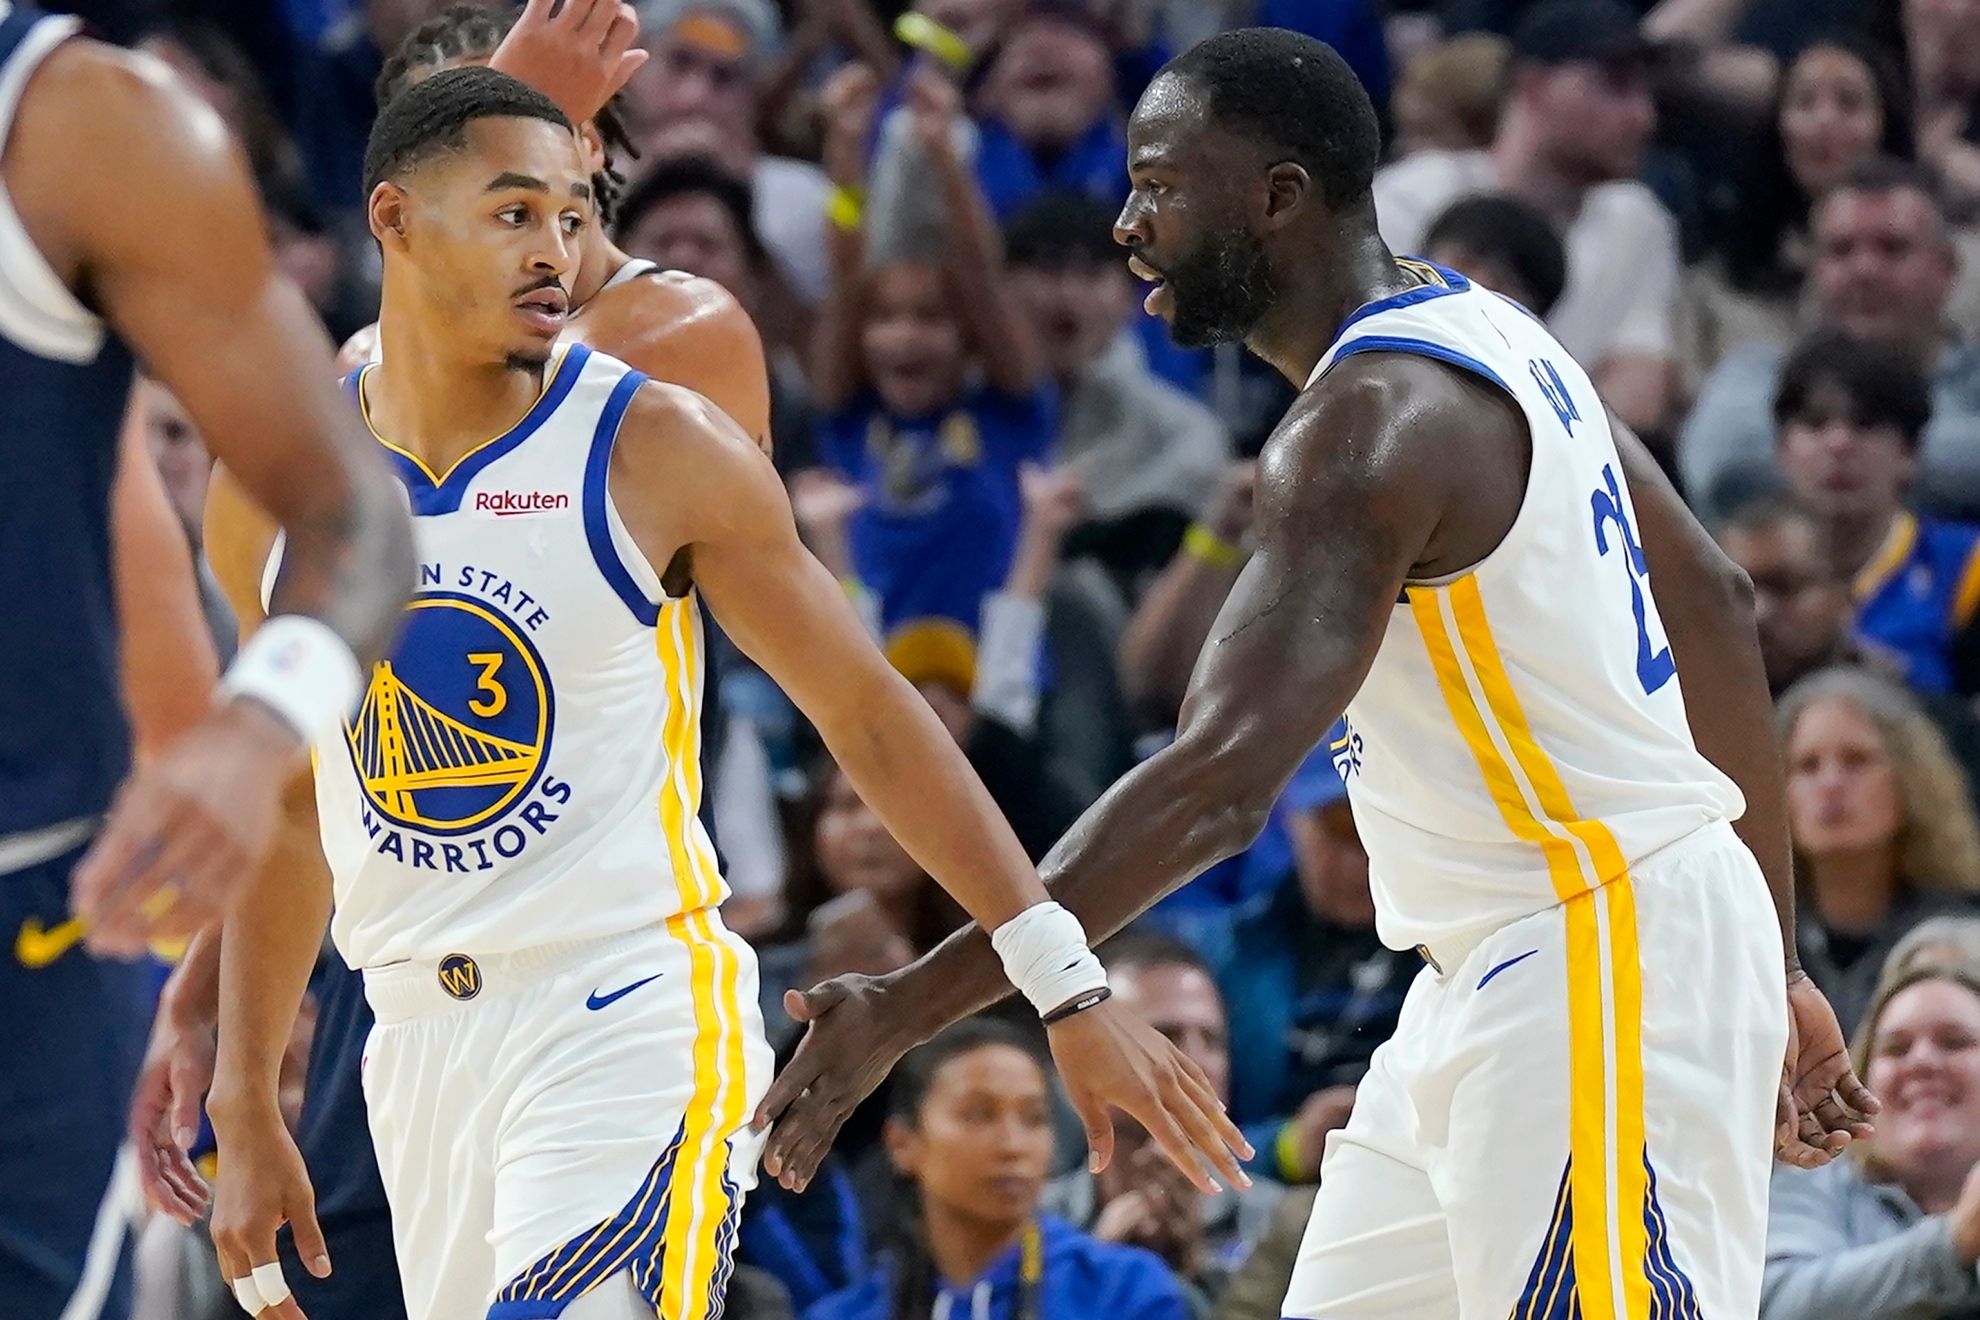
1442,352
597,526
64,742
1453,283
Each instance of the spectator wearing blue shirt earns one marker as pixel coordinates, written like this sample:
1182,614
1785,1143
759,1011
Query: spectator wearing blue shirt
931,385
969,1131
1850,416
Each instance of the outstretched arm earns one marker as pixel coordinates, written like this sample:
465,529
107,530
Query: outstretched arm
689,483
1350,493
1706,604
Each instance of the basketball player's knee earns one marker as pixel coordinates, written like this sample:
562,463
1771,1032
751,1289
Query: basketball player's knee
614,1299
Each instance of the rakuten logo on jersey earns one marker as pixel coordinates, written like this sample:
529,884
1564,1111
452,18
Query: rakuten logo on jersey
510,503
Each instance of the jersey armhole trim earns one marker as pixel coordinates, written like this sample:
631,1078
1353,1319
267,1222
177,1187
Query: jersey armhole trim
38,312
619,559
1424,348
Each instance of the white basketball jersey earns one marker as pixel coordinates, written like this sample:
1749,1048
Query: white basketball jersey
1521,736
525,768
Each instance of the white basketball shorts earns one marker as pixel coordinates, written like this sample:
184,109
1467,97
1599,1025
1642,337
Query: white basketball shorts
550,1118
1574,1118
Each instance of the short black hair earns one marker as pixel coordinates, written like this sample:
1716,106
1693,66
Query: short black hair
1884,385
1515,235
914,1075
431,117
1062,227
470,32
1297,94
1888,174
1135,947
1765,513
697,176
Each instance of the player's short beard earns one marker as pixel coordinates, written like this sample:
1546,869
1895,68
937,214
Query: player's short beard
1220,291
532,362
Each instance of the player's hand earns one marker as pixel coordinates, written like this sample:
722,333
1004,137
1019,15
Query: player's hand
852,1040
576,52
1110,1059
177,1072
187,831
261,1185
1823,1105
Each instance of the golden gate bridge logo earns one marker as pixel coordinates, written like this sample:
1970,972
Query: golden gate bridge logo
455,725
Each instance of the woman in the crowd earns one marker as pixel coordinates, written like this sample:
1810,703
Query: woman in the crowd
970,1134
1883,833
1840,103
1891,1231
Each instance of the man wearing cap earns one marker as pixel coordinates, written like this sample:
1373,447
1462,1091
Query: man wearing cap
1569,141
698,96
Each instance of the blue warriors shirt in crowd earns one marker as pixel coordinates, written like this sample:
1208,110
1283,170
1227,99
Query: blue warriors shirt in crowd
72,1030
1917,594
941,516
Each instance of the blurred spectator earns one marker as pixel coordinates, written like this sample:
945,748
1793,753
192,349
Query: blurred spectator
692,215
1938,41
931,387
1311,988
1048,113
1141,445
1503,244
969,1132
1850,415
1954,940
184,466
1891,1231
1882,827
697,96
1801,603
1257,1288
1448,97
1882,268
855,901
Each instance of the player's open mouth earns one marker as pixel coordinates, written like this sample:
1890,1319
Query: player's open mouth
1142,270
545,309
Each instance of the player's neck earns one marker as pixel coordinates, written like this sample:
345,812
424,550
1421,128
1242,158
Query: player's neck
1317,290
597,264
962,1246
437,405
1524,169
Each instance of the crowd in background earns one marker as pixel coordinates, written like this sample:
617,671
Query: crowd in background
1756,223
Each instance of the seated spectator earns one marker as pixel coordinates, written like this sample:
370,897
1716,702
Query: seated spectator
1891,1231
1881,824
1311,988
1141,1198
697,96
1801,604
692,215
1882,269
1447,97
969,1132
1503,244
1935,43
1850,416
1148,454
1258,1287
1840,103
1569,142
1952,940
930,384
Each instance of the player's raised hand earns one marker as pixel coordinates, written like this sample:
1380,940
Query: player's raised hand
576,52
1824,1105
1110,1059
262,1184
187,831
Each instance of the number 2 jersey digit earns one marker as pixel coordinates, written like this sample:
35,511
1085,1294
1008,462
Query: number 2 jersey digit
1522,733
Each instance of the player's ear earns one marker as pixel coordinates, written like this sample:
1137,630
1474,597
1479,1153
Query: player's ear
1287,187
387,214
592,147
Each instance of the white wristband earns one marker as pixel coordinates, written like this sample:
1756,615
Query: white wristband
302,670
1045,955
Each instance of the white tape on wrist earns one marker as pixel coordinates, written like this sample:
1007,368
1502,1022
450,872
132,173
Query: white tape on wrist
271,1284
1045,955
248,1295
302,670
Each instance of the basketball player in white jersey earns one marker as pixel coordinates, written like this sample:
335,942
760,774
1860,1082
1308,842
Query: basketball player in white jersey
1458,550
567,1050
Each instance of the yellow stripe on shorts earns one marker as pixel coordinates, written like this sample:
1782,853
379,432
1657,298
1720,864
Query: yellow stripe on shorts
1605,989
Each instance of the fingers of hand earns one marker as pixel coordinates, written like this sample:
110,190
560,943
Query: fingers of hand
1179,1148
1203,1119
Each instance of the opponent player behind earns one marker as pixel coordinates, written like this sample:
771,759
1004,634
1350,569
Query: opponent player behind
1573,1117
161,257
567,1050
671,326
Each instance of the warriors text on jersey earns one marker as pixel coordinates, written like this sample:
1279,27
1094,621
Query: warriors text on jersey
1521,735
524,769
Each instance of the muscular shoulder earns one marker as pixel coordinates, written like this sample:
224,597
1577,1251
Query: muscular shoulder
665,324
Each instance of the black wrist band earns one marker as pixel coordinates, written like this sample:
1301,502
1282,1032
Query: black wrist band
1079,1005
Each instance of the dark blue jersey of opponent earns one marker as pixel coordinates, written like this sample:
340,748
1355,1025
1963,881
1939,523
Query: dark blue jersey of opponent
64,380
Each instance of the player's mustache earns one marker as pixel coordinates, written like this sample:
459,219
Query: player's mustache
547,282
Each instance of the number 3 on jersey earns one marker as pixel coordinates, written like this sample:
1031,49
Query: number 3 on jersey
1654,668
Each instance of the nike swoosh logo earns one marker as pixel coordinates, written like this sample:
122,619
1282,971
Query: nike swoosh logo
598,1001
35,947
1502,967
